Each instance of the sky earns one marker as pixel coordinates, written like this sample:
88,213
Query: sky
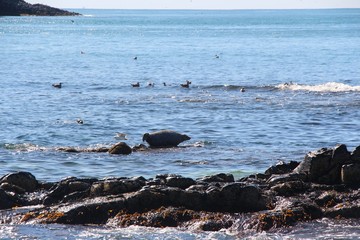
200,4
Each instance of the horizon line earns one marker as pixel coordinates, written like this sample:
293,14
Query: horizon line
214,9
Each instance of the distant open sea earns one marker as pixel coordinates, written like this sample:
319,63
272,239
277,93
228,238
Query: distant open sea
300,70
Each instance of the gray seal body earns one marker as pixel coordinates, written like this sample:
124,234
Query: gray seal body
165,138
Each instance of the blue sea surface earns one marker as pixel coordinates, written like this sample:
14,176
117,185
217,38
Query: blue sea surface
300,70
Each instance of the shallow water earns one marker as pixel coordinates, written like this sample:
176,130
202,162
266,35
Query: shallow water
300,70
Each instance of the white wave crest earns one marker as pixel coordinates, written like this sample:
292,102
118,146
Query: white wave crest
26,147
326,87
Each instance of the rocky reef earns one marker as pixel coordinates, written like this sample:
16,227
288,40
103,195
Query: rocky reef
325,184
20,8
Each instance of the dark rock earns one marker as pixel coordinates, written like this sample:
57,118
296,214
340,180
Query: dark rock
215,225
75,196
180,182
355,155
342,210
115,186
68,149
139,147
288,216
56,194
12,188
148,198
350,174
327,199
237,197
6,201
97,150
120,148
276,179
23,180
323,166
20,7
282,168
221,177
278,199
78,186
65,187
96,212
290,188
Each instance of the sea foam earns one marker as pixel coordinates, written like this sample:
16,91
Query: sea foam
326,87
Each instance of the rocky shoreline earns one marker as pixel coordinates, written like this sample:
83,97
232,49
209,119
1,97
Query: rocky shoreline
21,8
325,184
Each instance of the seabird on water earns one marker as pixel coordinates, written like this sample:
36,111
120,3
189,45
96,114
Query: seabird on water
135,84
57,85
186,85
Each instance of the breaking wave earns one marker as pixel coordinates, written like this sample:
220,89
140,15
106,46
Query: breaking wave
326,87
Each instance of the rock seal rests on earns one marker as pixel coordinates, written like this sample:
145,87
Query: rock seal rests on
164,138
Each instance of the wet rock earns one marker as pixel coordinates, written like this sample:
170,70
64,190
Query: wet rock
221,177
343,210
115,186
327,199
350,174
290,188
323,166
65,187
96,150
12,188
56,194
280,198
120,148
180,182
140,147
215,225
276,179
282,168
148,198
237,197
355,155
6,201
77,186
97,211
23,180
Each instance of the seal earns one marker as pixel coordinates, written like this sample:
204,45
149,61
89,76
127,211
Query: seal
164,138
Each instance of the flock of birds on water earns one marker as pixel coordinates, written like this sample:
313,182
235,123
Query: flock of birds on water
150,84
164,138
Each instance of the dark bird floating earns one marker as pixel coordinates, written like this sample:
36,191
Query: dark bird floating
165,138
57,85
186,85
135,84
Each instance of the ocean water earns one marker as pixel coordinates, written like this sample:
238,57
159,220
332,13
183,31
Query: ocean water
300,70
